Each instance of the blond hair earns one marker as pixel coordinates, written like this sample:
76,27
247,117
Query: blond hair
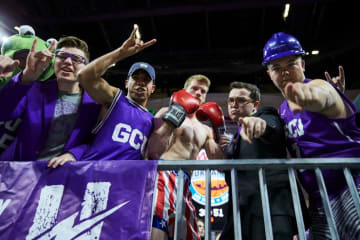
198,77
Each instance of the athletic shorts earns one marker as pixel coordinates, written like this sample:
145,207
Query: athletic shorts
165,206
346,218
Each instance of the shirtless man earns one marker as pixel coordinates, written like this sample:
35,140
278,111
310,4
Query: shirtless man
179,135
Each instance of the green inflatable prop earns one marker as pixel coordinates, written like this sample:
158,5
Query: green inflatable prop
23,41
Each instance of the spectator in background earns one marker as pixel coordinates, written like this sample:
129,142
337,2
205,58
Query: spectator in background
201,228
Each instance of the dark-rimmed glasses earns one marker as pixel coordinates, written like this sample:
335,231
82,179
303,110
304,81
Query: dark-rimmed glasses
239,101
76,59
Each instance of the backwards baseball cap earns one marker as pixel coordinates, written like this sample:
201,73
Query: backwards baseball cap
144,66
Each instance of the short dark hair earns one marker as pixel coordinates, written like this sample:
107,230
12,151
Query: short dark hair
75,42
253,89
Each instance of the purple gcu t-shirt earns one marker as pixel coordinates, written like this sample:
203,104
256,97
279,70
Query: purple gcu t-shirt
312,135
123,133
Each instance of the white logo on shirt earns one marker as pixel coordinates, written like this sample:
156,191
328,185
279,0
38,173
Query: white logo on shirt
295,128
124,133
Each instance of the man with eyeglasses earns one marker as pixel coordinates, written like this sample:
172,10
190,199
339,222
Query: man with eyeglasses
260,135
57,114
320,122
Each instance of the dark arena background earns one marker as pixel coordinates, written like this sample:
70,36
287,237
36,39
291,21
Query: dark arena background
222,39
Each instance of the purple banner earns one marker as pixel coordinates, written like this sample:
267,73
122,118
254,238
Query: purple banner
80,200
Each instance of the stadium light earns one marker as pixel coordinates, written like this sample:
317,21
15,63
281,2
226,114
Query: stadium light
4,39
315,52
286,11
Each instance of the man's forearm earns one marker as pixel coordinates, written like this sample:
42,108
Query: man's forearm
90,78
273,129
323,96
98,67
159,140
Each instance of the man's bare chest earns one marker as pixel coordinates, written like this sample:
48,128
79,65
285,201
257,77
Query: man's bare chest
192,132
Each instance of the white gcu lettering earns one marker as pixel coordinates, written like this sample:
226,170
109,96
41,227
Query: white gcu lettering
121,136
295,128
4,204
135,133
95,200
124,133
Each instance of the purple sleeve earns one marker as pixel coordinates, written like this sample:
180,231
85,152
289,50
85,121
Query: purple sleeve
13,98
78,151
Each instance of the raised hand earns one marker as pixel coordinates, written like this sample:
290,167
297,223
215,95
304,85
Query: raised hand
7,66
134,45
338,81
37,62
251,127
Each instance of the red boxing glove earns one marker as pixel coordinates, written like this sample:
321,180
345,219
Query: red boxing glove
186,100
181,103
213,112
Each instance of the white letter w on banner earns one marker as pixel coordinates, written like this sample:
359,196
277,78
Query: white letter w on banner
94,201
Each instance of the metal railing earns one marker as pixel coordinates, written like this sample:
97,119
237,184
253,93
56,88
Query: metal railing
261,165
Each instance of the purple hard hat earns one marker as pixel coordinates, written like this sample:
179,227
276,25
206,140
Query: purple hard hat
281,45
